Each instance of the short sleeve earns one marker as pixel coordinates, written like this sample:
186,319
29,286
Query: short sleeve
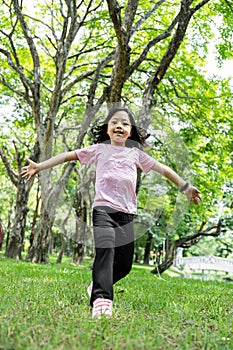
145,162
87,155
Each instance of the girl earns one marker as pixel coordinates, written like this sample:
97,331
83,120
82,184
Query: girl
117,155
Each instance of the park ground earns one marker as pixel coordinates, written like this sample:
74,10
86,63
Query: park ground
47,307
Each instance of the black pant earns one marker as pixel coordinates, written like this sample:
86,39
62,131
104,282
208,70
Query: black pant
114,246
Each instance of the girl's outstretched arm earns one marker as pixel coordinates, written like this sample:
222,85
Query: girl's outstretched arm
34,168
192,193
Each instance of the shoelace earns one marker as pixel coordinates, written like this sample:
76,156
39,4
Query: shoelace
102,307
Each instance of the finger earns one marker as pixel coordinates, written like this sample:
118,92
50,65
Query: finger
23,171
196,200
25,167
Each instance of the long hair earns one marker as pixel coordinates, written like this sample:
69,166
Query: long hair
136,139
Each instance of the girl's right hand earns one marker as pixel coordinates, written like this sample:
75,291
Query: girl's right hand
30,170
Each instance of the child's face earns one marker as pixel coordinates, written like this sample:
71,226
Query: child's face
119,128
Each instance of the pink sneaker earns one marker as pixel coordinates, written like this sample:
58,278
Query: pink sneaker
89,289
102,307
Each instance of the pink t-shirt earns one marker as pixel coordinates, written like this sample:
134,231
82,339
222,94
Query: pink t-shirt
116,174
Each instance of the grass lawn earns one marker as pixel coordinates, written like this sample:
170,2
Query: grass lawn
47,307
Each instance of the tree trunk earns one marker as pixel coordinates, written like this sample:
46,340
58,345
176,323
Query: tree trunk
8,230
147,249
35,215
16,239
62,249
38,252
137,257
81,222
78,253
167,262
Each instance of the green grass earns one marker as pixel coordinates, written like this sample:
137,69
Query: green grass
47,307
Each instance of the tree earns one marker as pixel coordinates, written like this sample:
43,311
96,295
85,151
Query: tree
70,50
15,242
185,242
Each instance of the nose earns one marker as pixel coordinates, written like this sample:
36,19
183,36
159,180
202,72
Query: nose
119,125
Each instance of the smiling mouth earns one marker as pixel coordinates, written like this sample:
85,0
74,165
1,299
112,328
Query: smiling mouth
118,132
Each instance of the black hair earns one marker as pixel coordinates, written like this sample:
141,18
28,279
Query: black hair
136,139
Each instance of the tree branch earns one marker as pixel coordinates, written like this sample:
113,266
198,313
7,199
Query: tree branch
186,242
130,13
16,68
198,6
115,15
200,233
146,16
184,16
35,87
153,42
122,56
11,173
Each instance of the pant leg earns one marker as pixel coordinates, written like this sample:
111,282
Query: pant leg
123,260
114,240
102,273
124,251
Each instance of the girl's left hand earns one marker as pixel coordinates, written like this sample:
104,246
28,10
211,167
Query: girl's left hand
193,194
